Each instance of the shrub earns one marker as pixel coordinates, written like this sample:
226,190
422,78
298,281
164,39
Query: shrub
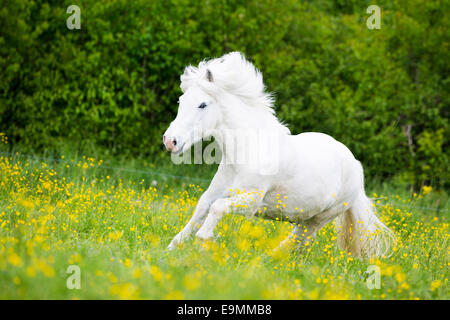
114,84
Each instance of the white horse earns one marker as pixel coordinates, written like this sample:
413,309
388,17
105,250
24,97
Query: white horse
308,179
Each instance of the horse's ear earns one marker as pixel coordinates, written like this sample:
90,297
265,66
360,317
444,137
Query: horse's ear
209,75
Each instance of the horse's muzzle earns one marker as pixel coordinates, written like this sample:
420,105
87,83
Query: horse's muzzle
172,144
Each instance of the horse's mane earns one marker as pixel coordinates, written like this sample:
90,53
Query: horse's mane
233,74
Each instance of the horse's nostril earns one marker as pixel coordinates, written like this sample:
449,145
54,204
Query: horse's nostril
164,138
174,142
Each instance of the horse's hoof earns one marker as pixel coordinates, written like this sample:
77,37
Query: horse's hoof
177,245
204,236
174,244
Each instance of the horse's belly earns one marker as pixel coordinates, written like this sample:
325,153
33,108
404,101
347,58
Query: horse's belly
293,206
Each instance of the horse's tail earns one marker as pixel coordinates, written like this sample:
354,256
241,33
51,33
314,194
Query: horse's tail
362,233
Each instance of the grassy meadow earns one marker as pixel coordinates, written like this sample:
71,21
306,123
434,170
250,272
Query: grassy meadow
85,184
115,224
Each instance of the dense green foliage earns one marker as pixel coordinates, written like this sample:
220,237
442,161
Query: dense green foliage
114,83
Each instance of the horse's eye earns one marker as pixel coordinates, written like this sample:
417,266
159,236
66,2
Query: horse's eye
202,105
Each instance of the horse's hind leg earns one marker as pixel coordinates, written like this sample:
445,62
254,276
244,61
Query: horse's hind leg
304,232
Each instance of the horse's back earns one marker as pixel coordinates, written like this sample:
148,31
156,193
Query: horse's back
322,161
317,144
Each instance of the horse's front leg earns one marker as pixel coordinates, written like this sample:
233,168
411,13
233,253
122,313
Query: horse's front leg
215,191
246,203
194,223
216,212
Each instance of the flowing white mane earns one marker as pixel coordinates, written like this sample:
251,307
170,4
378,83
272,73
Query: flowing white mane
233,74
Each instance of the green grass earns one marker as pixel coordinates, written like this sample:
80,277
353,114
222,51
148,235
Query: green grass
115,224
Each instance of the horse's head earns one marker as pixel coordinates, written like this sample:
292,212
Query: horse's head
217,93
198,116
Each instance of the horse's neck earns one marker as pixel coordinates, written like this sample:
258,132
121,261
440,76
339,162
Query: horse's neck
241,116
243,138
245,128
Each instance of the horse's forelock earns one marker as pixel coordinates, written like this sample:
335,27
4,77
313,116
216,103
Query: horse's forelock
188,77
232,73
